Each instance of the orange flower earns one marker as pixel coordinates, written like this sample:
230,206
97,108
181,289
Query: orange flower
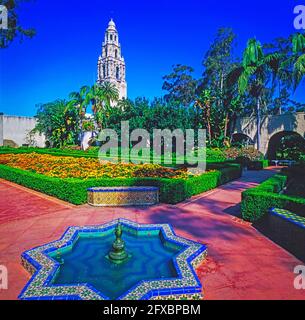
84,168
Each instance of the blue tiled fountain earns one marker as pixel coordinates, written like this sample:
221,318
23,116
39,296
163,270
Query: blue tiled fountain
117,260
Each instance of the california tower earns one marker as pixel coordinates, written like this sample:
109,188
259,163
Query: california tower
111,64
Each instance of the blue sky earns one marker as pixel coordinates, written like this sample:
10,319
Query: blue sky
154,35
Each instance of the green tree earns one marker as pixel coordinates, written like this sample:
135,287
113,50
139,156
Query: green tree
15,30
218,62
59,121
298,56
204,102
180,85
283,82
253,75
81,99
109,92
103,96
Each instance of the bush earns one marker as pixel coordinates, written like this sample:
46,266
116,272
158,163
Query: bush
258,165
302,159
257,201
247,152
212,155
75,190
243,161
215,154
71,151
296,180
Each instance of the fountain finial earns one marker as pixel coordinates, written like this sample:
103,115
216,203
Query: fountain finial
118,253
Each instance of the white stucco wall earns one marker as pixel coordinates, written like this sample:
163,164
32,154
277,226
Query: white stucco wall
16,129
270,125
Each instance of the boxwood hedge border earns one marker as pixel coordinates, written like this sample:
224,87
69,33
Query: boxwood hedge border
257,201
73,190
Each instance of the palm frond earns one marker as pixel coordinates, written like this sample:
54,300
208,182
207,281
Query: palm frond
298,43
244,79
299,71
253,53
233,76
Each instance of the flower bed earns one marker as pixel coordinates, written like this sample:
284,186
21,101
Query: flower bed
71,184
212,155
83,168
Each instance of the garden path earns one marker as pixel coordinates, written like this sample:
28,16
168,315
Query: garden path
241,264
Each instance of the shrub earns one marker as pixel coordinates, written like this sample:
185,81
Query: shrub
243,161
257,165
247,152
296,180
302,159
215,154
257,201
75,190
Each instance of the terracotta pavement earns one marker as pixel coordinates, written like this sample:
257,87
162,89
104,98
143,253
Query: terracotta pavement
241,264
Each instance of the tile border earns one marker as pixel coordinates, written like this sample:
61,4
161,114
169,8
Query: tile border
43,269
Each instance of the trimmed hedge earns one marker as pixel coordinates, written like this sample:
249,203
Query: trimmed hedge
257,201
212,157
245,162
53,152
258,165
75,190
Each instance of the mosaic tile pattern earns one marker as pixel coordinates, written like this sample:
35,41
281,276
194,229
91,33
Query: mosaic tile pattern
123,196
289,216
43,268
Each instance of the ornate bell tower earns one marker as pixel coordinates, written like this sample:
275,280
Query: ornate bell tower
111,64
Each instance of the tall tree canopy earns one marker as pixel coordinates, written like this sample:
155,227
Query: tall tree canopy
15,30
215,98
59,121
180,85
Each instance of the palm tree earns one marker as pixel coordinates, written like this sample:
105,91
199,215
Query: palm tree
253,75
298,56
81,99
110,93
102,98
125,105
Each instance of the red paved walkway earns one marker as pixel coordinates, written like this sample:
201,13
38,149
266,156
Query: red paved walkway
242,263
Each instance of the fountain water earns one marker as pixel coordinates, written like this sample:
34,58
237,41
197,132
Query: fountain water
88,263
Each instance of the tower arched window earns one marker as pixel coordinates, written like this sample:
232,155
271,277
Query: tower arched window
111,37
104,71
118,73
116,53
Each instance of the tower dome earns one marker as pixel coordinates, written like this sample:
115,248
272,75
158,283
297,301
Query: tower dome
111,25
